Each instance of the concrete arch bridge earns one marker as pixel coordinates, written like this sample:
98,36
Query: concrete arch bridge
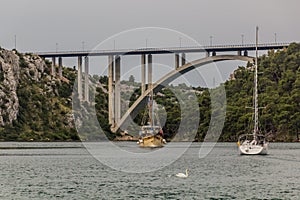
126,119
119,122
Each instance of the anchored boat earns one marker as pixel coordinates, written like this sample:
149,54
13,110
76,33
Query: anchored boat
255,143
151,134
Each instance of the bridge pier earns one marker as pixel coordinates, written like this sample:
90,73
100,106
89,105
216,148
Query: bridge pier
182,59
239,53
79,74
53,66
60,67
176,61
149,71
143,72
245,53
110,89
86,79
117,89
207,54
214,53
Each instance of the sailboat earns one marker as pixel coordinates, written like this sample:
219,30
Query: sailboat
151,134
255,143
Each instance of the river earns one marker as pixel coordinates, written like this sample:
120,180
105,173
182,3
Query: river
69,171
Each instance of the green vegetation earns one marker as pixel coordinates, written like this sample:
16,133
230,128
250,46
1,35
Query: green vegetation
1,76
131,79
279,97
101,100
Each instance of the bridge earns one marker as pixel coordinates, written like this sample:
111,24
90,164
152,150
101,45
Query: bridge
207,49
119,122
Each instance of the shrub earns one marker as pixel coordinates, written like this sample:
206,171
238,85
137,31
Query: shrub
1,76
31,72
22,62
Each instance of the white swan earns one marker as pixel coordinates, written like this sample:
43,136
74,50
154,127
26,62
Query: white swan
182,175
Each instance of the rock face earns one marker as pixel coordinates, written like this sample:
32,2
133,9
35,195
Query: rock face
34,106
12,66
9,75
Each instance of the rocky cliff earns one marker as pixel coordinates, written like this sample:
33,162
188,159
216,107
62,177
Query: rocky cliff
34,106
9,75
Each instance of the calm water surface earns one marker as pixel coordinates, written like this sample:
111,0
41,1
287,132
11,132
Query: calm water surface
68,171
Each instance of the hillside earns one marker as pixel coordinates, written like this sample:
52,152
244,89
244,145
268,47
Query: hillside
279,97
34,106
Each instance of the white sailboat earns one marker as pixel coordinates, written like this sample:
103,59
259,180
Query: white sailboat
255,143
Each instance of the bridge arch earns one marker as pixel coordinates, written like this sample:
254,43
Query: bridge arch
132,111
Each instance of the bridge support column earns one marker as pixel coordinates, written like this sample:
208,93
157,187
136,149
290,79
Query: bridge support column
86,79
207,54
149,71
239,53
110,89
214,53
53,66
143,71
60,67
117,89
176,61
245,53
79,74
183,59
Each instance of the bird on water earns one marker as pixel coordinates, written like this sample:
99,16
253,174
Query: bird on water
182,175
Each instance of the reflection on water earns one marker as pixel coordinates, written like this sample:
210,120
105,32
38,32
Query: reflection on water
68,171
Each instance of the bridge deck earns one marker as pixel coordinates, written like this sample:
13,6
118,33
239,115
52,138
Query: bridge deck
214,48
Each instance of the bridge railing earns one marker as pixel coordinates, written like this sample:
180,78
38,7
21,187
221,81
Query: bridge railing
168,49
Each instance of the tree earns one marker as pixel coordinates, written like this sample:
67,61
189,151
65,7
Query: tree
131,79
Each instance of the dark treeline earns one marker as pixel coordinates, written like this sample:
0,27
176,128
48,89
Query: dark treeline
279,97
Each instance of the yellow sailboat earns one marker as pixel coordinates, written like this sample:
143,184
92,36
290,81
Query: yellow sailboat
151,135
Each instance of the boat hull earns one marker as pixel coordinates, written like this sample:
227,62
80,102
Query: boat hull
152,141
248,149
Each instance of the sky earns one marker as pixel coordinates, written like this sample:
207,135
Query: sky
44,25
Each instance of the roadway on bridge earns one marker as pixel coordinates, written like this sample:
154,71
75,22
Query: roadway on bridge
168,50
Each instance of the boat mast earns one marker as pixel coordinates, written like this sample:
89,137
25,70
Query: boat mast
255,131
151,117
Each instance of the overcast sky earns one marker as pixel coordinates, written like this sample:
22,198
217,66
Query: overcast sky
40,24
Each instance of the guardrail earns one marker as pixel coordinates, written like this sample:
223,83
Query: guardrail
164,50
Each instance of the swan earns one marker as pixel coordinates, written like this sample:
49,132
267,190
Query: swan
182,175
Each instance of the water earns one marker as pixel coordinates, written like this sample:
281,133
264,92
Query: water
68,171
